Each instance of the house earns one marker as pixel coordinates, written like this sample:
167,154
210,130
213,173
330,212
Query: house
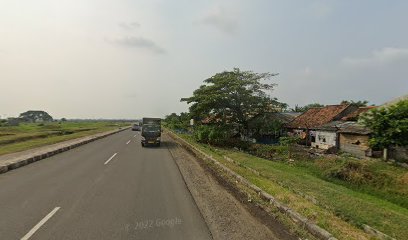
354,139
353,116
305,125
326,136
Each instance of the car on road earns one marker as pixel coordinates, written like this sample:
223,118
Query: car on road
136,127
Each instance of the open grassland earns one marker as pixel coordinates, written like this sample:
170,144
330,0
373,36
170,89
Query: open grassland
340,194
32,135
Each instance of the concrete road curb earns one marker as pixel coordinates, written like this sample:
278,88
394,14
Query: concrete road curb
296,217
24,160
377,234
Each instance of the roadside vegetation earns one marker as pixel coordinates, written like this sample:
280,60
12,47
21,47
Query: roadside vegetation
340,193
31,135
389,126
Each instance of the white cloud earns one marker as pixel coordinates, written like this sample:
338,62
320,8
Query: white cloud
221,19
378,58
137,42
129,25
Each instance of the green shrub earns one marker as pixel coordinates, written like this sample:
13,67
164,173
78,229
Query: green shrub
214,135
201,134
359,172
267,151
217,136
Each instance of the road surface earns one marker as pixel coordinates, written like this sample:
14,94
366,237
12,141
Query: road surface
108,189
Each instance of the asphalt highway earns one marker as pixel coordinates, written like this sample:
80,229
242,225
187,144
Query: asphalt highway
108,189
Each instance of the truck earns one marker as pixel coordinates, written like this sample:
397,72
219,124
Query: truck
151,131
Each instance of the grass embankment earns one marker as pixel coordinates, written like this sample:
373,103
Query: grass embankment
337,193
32,135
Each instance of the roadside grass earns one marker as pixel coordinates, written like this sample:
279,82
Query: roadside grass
32,135
372,177
338,207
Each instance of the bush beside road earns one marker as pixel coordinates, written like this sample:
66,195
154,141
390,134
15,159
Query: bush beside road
342,210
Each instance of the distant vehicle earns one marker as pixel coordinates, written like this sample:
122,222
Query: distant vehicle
151,131
136,127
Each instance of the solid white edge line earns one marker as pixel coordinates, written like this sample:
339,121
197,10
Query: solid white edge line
42,222
128,142
110,158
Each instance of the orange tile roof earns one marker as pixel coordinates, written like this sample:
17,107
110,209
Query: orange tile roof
315,117
354,115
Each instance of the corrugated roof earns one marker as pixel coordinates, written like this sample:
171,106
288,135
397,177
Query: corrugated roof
315,117
335,125
355,128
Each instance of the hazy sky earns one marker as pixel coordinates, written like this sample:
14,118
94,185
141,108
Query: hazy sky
128,59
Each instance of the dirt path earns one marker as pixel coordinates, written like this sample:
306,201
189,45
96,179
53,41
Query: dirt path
227,217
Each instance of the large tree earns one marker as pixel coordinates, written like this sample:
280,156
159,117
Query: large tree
36,116
233,97
389,125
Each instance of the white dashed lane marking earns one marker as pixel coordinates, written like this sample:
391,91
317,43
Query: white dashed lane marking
114,155
42,222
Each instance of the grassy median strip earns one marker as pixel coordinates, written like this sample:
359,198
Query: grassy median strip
339,209
32,135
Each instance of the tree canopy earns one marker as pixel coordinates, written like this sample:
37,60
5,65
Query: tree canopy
389,125
233,97
180,122
362,103
36,116
297,108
